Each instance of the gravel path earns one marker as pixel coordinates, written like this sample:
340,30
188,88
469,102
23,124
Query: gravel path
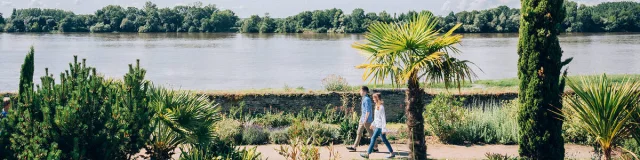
435,151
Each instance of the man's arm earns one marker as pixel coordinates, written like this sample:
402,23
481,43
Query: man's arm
365,114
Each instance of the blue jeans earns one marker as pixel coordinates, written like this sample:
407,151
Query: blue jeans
378,132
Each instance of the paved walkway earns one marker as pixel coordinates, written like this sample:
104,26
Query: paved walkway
435,151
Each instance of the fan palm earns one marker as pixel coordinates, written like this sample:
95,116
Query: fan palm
604,109
181,118
407,53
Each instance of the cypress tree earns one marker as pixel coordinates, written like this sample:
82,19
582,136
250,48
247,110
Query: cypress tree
541,86
26,73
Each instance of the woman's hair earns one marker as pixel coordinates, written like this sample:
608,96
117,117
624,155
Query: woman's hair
378,98
6,102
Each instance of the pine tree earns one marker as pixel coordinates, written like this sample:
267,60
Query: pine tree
26,73
541,85
85,116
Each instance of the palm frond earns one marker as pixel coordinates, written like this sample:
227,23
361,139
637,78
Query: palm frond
398,51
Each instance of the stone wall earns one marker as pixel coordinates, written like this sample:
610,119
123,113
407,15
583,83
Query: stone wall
294,102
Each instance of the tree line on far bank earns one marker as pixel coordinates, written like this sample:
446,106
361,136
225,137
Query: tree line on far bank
604,17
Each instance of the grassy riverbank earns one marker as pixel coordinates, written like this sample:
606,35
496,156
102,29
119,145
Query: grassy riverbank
479,86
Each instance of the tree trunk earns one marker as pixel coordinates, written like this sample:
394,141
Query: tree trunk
415,120
607,153
541,88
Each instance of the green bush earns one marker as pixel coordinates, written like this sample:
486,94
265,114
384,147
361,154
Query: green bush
348,128
83,116
313,132
335,83
273,120
279,136
443,117
632,145
497,156
229,130
220,150
494,125
453,124
253,134
572,132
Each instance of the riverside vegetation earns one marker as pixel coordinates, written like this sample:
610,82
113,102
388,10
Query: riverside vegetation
87,116
185,123
604,17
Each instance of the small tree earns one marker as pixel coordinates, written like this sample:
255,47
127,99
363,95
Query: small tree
541,87
407,53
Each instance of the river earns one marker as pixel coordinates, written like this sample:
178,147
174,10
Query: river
222,61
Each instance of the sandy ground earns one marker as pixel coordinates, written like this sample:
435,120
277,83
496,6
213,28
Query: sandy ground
435,151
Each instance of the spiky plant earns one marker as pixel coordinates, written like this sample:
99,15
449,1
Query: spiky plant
182,118
604,109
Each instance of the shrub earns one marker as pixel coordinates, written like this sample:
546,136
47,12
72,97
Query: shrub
219,150
83,116
443,115
632,146
279,136
335,83
494,125
313,132
348,128
274,120
299,149
229,130
497,156
572,131
453,124
253,134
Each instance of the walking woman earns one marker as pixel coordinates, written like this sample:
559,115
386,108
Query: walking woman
379,127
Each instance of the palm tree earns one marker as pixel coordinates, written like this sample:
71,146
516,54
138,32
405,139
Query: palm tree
407,53
604,109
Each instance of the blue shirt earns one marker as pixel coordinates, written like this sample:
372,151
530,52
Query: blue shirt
4,114
367,107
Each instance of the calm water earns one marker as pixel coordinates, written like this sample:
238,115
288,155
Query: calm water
245,61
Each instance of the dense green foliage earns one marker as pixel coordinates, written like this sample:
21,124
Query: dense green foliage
85,116
88,116
605,17
605,110
113,18
541,86
452,123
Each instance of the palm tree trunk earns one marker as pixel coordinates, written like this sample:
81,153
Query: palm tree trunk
415,120
607,153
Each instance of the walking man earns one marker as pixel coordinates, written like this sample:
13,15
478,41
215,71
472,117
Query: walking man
366,117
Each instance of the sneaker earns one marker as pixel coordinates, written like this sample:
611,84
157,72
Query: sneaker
375,150
364,155
351,149
391,155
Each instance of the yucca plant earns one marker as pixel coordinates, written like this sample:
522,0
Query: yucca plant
604,109
407,53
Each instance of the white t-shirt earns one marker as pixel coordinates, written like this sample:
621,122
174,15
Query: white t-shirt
379,118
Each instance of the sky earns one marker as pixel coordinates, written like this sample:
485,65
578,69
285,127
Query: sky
279,8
